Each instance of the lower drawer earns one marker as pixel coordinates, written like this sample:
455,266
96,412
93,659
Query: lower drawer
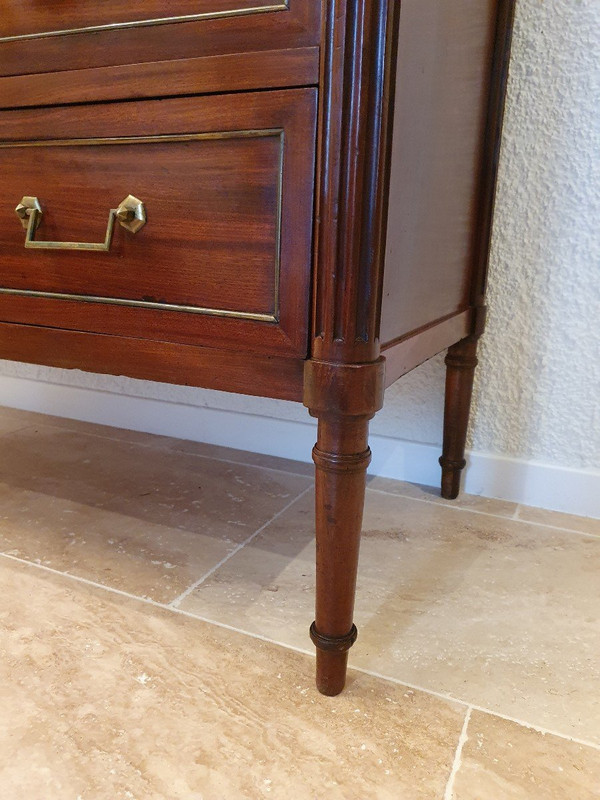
223,251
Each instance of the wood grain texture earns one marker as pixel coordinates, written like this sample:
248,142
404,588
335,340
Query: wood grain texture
218,236
343,390
461,359
461,362
356,115
351,201
444,66
32,18
232,72
341,457
344,378
406,353
298,26
186,365
452,74
213,202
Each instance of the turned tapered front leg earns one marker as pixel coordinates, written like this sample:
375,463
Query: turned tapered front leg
343,397
341,457
461,361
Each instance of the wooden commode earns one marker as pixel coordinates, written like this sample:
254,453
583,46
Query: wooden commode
208,192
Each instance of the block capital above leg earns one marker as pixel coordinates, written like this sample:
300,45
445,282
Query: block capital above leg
346,390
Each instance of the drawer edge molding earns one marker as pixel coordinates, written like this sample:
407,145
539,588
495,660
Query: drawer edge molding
209,74
176,307
144,23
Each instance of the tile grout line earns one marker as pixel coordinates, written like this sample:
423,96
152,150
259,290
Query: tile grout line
295,649
473,706
146,601
453,507
515,516
532,727
242,463
16,430
554,527
449,793
164,449
176,602
486,513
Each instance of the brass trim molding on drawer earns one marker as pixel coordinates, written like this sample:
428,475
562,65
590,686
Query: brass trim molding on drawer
166,138
114,26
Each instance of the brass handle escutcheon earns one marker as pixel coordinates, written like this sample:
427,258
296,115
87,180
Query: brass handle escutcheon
130,214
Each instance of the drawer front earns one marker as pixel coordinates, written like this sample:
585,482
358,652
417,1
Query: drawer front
223,258
42,37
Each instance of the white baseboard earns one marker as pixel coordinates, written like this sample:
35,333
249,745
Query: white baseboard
574,491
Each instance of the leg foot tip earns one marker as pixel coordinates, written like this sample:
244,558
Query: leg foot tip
329,690
451,475
451,486
331,672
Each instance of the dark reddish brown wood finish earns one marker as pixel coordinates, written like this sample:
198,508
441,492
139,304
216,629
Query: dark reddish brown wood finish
341,457
451,87
356,104
343,397
31,18
211,368
290,24
408,352
444,65
461,359
228,230
231,72
359,50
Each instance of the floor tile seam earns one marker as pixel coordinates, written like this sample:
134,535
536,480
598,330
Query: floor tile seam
16,430
180,598
474,706
485,513
457,761
148,601
172,451
310,653
558,528
518,518
437,504
514,517
69,576
246,464
537,728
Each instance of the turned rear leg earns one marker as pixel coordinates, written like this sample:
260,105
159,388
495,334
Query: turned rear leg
461,361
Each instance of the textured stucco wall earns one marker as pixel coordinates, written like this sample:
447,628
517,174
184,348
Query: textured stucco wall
539,379
538,393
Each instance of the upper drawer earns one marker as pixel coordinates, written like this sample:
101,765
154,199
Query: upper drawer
44,37
224,256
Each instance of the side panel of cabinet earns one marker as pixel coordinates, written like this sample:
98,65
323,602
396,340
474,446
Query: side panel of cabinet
445,54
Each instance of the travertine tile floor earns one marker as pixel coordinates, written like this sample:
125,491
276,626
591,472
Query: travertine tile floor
155,601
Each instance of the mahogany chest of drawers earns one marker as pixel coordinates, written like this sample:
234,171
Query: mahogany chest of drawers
208,192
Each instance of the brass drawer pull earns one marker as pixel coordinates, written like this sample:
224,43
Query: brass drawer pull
130,214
